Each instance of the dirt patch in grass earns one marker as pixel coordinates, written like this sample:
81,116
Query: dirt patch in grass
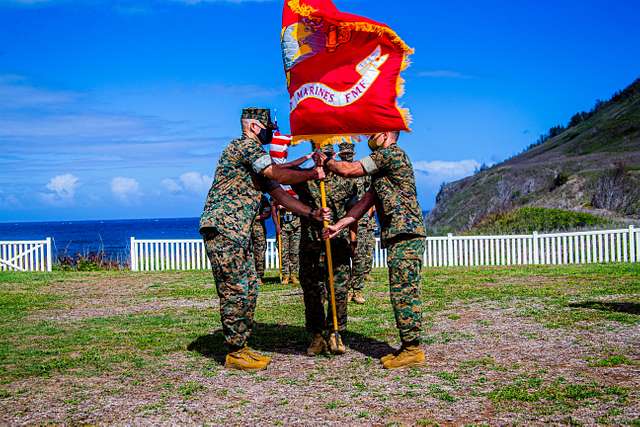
100,296
485,363
88,310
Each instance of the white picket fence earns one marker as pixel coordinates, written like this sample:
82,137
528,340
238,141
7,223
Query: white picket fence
588,247
25,255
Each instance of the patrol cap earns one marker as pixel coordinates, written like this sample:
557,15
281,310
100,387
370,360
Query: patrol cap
346,148
263,115
327,150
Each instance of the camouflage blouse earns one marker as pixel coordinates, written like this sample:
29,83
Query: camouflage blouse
394,184
234,199
339,192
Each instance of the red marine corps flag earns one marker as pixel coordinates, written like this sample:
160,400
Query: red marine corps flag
343,72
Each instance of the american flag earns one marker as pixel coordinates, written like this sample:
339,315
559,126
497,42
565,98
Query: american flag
279,151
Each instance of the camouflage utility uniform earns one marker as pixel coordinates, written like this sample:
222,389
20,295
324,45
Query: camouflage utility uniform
402,233
290,235
229,214
313,267
259,237
363,258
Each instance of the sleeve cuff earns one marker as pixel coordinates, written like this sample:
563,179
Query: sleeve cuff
369,165
261,164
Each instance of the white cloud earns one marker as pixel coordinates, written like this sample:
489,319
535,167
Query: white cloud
195,183
62,190
444,74
8,200
64,186
446,169
125,189
431,174
190,182
171,186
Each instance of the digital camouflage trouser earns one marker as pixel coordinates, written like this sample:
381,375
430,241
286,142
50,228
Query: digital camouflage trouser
290,248
314,279
363,259
404,259
237,284
259,240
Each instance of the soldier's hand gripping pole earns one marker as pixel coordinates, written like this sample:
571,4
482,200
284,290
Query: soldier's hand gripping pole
332,289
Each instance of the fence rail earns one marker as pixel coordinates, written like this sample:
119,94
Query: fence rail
586,247
26,255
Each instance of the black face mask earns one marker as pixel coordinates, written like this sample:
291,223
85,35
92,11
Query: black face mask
265,136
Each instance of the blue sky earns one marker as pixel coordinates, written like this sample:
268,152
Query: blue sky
119,109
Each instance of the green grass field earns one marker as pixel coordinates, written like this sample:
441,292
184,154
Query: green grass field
504,346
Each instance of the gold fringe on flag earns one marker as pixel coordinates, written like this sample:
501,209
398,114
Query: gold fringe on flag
301,9
322,140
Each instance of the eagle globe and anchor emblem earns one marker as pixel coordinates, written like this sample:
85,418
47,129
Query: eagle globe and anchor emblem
305,39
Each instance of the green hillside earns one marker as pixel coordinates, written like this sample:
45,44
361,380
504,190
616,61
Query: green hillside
591,165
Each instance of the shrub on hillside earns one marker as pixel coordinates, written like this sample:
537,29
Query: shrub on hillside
529,219
617,190
560,179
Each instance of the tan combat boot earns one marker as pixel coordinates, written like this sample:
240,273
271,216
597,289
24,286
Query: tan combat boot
257,355
336,345
285,280
390,356
318,345
244,361
349,296
358,297
294,280
411,355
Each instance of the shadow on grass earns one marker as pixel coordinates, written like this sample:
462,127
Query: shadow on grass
619,307
271,280
284,339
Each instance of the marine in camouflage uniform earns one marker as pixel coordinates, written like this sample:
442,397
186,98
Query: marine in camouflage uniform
226,222
259,236
290,235
314,276
362,255
393,192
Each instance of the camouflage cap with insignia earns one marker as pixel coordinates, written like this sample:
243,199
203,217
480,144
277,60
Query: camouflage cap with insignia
346,151
346,148
263,115
328,150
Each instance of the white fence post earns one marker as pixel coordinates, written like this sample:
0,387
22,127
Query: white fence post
49,255
556,248
133,252
632,244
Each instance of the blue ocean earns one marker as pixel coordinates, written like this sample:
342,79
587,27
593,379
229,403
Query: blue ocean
109,237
